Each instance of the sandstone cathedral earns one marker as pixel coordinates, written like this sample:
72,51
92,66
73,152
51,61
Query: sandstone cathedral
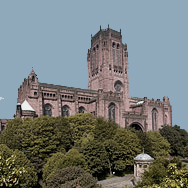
107,94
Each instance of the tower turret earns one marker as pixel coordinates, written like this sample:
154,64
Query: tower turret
108,62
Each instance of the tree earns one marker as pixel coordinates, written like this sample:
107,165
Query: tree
16,163
70,177
9,174
60,160
42,137
111,148
178,139
104,130
53,163
45,135
38,138
10,135
74,158
128,147
174,178
155,174
82,126
96,158
160,146
145,142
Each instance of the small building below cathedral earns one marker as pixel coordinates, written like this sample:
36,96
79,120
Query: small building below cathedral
107,94
141,163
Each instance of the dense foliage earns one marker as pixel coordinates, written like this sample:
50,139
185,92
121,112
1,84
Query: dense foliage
46,146
70,177
82,126
178,139
175,178
159,145
10,176
60,160
16,169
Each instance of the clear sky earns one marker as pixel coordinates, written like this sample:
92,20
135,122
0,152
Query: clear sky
53,37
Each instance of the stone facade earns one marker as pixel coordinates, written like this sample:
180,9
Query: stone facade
3,123
108,93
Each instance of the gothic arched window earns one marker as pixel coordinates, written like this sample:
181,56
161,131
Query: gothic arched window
154,119
118,85
33,79
81,109
47,110
65,111
111,111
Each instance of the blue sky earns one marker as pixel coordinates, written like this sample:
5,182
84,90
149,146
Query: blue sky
53,37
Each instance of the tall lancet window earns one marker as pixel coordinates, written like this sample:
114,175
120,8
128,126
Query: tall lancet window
113,52
154,119
165,119
97,58
94,59
97,55
47,110
103,58
111,111
65,111
117,52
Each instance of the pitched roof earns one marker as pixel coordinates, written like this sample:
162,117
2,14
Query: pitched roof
26,106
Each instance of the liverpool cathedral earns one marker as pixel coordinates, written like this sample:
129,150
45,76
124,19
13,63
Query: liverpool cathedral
107,94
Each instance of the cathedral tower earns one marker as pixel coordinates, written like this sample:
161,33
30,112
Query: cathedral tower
108,62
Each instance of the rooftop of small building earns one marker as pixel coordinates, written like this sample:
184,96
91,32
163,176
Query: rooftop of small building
143,157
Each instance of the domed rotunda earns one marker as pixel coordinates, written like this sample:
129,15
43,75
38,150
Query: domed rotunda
141,163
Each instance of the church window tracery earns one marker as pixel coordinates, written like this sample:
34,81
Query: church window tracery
47,110
65,111
111,111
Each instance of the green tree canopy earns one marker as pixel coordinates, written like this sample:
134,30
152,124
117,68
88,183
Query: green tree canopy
155,174
160,146
70,177
60,160
145,142
128,147
38,138
10,135
45,135
82,126
96,158
104,130
10,176
13,162
175,178
178,139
